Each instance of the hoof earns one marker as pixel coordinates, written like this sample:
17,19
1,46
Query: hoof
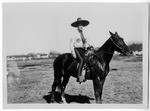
51,101
98,102
60,102
63,101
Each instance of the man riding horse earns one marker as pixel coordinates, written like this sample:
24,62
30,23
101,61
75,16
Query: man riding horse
81,47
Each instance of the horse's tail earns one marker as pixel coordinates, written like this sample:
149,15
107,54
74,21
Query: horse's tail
58,67
58,73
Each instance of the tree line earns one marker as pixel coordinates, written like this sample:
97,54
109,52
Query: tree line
135,46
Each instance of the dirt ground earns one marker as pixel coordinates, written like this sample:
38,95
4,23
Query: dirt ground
30,82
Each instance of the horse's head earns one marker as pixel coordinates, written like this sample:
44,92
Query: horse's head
119,44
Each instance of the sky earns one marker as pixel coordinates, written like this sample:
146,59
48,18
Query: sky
45,27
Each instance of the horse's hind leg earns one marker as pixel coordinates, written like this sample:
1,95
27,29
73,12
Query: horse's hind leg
63,87
55,84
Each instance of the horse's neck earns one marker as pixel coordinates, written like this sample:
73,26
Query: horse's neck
107,51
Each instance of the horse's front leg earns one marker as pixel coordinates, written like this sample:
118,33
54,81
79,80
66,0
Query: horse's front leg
98,87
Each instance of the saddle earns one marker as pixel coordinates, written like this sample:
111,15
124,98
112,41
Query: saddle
90,60
89,57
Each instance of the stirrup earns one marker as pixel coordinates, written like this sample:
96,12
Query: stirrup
81,79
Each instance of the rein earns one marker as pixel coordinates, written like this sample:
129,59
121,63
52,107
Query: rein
107,52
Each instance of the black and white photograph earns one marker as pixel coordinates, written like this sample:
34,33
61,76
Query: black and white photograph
87,54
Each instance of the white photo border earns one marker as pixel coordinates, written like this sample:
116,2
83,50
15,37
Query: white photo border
146,31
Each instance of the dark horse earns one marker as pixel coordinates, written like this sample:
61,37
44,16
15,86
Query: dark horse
65,66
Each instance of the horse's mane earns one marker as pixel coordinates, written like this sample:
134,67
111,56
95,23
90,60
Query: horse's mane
98,49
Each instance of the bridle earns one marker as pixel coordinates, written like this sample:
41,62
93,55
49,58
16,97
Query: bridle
115,43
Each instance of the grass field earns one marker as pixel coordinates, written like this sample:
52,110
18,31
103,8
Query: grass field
30,82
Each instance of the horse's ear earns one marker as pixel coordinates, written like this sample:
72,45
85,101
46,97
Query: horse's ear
116,33
111,33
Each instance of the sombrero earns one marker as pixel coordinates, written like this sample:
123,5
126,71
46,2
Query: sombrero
80,22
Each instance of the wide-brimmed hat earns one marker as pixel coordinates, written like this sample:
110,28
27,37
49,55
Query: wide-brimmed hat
80,22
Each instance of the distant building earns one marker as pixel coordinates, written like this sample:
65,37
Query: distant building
137,53
41,55
17,57
32,56
53,54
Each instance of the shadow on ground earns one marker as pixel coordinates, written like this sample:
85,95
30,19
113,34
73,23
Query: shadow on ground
69,98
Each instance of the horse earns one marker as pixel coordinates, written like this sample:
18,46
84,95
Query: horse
65,66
